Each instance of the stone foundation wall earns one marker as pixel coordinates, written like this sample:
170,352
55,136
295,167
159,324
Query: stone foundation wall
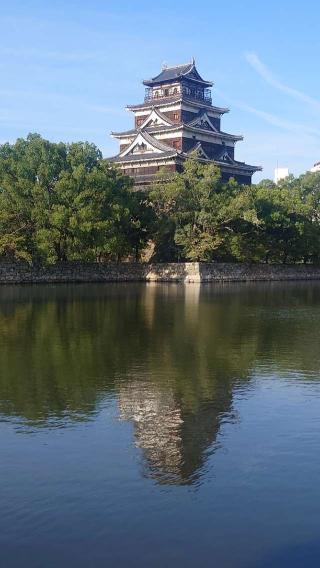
20,273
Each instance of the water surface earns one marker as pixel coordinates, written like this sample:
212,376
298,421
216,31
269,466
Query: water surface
160,425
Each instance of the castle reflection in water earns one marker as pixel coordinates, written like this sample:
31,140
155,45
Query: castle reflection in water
174,442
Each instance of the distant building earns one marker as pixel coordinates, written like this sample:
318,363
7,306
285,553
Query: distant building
280,173
175,121
316,167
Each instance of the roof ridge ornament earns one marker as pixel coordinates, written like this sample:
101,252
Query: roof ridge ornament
165,66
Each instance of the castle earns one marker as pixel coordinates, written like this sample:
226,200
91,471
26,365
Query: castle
176,121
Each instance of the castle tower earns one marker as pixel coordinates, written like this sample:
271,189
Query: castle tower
177,120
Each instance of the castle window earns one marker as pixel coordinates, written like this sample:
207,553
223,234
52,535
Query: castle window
176,116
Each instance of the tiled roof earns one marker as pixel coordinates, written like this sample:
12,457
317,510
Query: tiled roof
149,129
171,73
171,100
163,116
173,154
168,74
154,142
143,157
238,165
127,155
181,125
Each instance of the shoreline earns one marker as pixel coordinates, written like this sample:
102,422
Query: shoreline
184,272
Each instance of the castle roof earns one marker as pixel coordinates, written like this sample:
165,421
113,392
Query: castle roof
172,100
172,154
144,157
177,127
177,73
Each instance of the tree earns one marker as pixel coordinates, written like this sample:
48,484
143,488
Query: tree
64,202
202,214
202,218
287,217
182,206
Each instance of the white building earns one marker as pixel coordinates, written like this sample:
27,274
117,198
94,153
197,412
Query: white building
280,173
316,167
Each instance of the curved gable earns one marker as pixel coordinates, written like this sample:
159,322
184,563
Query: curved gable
144,144
203,121
156,118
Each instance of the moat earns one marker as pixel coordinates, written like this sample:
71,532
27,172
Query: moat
160,425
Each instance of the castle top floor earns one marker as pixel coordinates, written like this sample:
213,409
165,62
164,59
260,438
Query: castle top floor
179,81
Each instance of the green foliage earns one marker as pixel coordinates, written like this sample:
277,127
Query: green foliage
188,201
202,218
204,211
64,202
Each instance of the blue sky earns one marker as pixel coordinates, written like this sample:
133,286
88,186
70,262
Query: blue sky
68,69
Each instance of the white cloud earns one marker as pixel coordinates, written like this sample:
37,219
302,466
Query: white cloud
278,121
58,100
57,56
273,119
262,70
298,151
269,149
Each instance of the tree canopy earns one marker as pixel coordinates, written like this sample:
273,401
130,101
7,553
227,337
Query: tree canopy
64,202
202,218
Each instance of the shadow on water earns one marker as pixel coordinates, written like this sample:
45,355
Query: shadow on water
172,357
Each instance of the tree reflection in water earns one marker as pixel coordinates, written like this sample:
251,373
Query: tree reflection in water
171,356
